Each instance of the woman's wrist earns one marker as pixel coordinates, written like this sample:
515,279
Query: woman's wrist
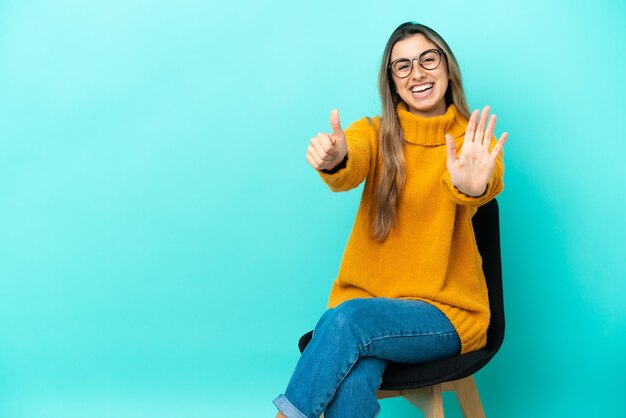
338,167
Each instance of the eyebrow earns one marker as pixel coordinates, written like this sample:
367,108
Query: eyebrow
428,49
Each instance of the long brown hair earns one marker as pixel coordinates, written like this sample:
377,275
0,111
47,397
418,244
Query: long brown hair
391,139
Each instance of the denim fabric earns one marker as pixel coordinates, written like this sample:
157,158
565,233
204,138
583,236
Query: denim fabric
341,368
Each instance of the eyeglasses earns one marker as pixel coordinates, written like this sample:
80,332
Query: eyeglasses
429,60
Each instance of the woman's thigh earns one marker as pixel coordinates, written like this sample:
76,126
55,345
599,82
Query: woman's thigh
399,330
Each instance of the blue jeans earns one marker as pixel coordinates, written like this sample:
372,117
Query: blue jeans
341,368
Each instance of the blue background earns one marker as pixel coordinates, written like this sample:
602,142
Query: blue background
164,243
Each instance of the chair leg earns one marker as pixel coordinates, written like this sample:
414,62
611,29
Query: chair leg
469,400
383,394
428,399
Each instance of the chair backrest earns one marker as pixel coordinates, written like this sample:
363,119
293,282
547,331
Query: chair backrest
486,223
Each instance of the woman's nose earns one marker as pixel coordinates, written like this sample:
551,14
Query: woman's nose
417,71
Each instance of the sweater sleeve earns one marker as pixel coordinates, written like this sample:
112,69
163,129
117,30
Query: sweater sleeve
494,186
357,165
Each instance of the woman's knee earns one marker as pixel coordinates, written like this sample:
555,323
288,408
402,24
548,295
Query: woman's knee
345,315
355,309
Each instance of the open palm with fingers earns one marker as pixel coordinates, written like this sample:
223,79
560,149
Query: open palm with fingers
471,170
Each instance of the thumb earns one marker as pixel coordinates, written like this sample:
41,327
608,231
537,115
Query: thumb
451,150
334,123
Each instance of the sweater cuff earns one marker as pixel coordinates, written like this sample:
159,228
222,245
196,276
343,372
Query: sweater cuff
463,199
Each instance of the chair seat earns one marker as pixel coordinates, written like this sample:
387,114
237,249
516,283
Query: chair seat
399,376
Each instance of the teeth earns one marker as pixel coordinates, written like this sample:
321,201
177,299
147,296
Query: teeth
421,88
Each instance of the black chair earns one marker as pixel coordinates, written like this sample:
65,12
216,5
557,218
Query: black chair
422,384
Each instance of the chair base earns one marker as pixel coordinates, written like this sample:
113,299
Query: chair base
429,399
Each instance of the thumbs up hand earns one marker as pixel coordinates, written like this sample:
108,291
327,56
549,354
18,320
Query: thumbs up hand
326,151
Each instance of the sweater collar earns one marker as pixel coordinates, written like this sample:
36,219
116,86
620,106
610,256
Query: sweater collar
431,131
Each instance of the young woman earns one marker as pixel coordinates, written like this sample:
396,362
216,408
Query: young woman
410,286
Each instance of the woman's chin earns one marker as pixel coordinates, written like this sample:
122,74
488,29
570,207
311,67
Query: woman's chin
427,107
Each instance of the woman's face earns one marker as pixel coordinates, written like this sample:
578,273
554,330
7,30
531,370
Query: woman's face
428,103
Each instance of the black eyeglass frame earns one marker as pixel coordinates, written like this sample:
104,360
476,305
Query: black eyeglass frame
439,51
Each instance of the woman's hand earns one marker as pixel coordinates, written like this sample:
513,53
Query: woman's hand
471,171
328,150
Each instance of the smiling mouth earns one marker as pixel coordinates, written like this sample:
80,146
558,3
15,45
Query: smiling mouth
419,94
420,89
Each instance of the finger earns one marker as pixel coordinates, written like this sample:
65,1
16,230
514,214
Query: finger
480,130
321,163
312,161
489,134
324,148
335,124
312,151
471,127
499,145
450,150
327,144
318,154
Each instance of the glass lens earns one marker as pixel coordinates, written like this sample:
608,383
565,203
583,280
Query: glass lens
402,68
430,60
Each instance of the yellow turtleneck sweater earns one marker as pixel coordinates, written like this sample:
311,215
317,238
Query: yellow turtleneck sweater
431,254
